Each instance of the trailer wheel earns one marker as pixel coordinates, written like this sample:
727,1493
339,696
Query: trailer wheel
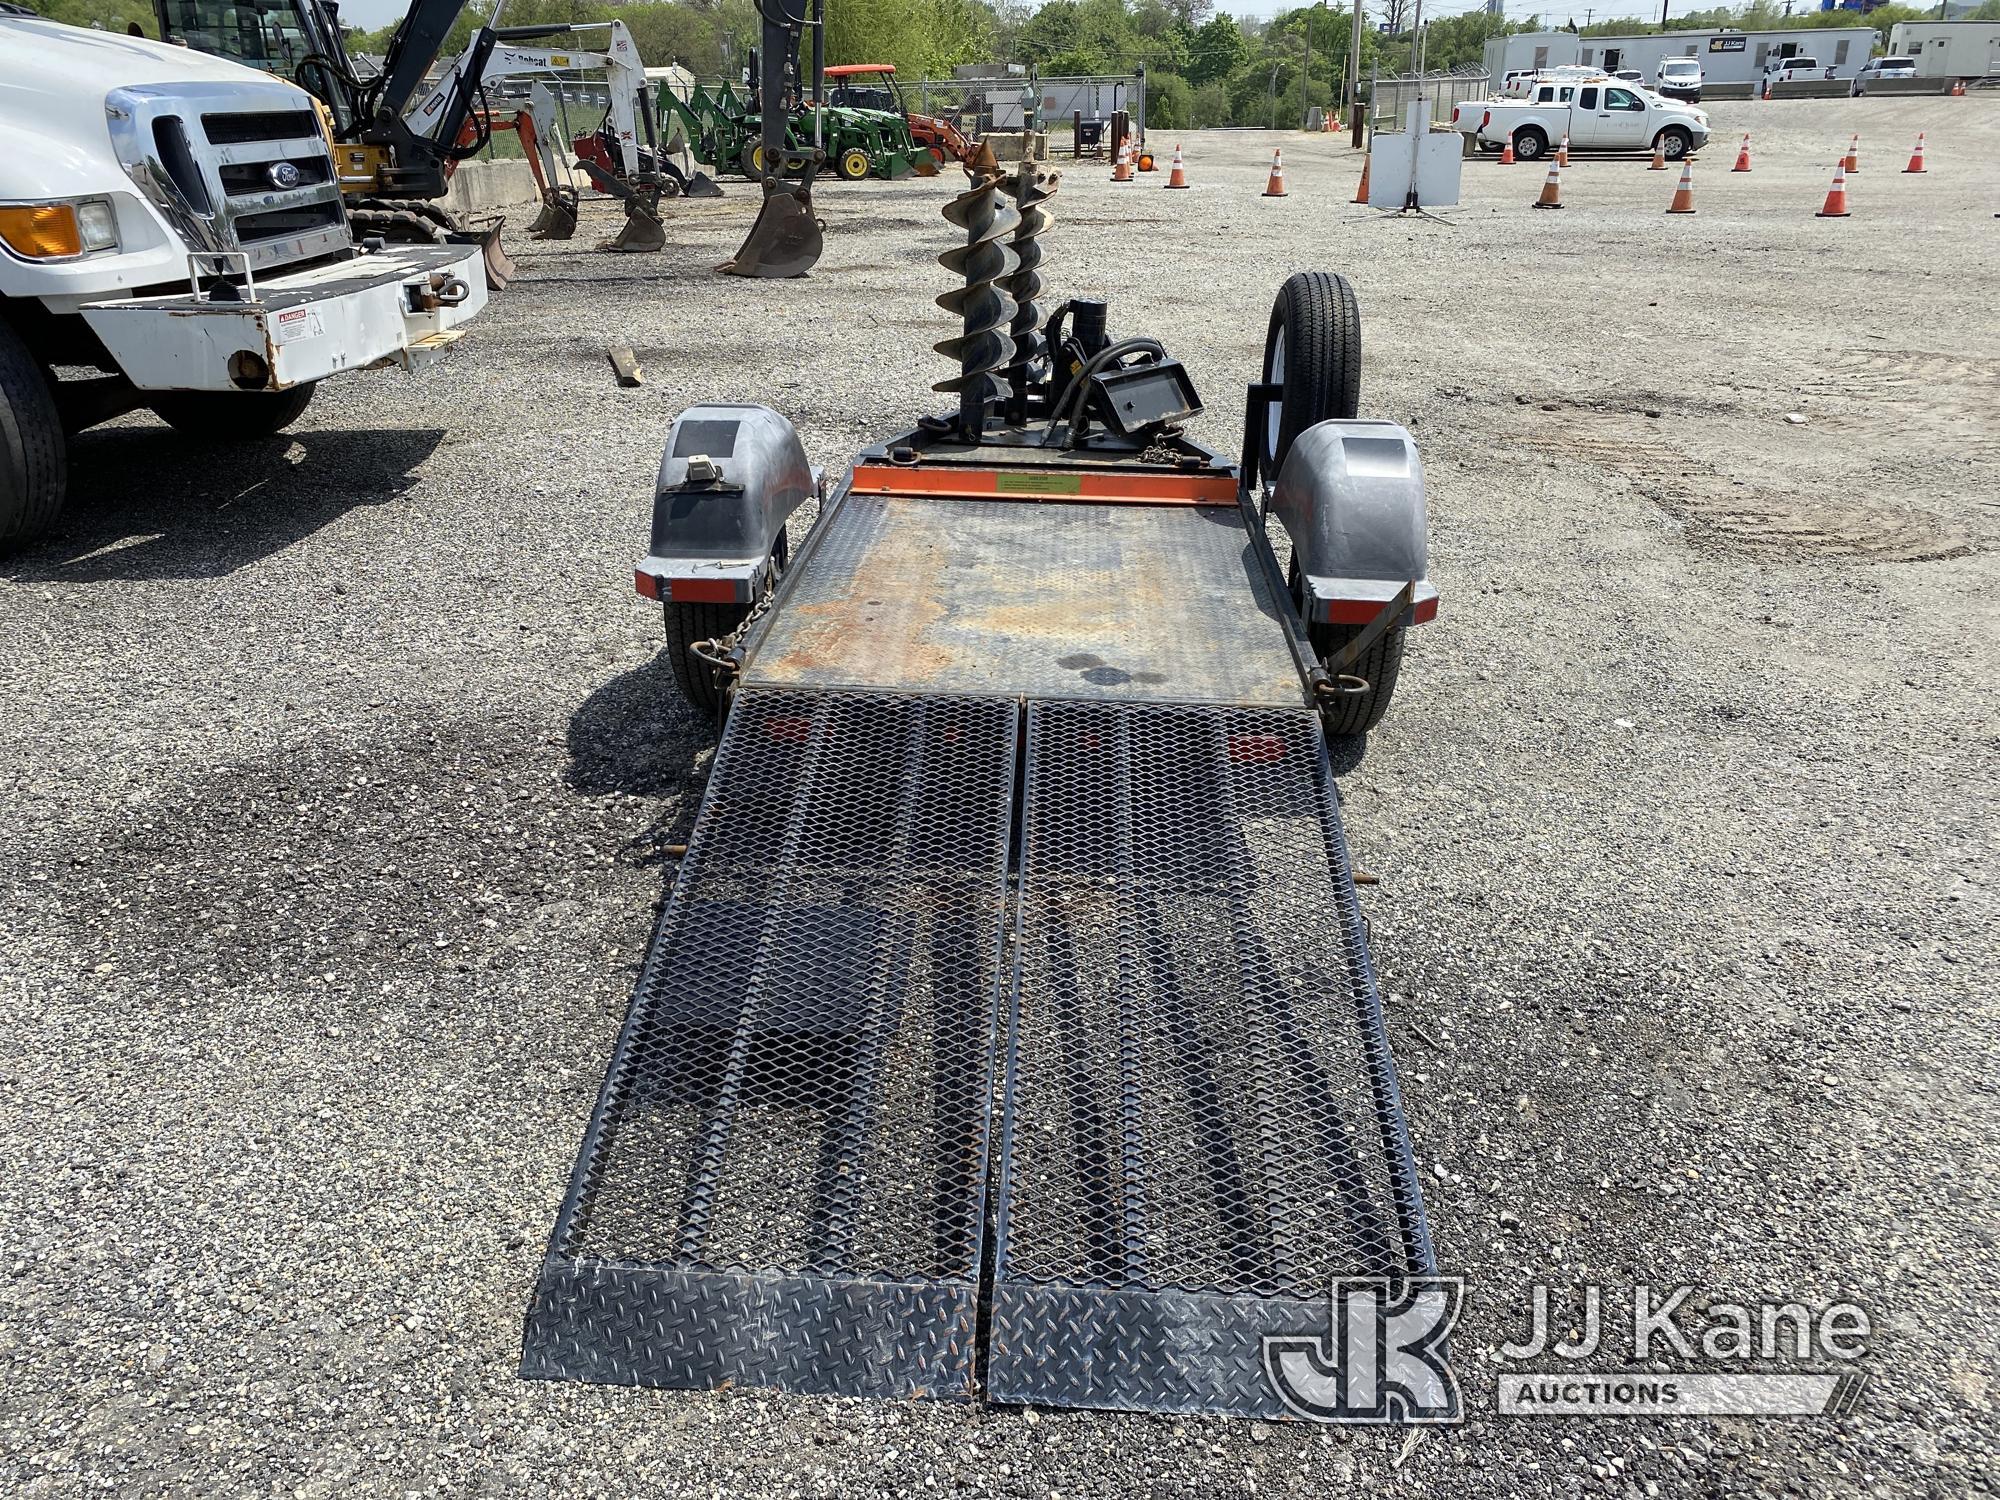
232,416
1312,352
1530,144
688,625
1380,665
851,165
32,466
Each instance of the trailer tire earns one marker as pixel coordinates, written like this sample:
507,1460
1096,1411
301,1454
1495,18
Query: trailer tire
231,416
33,468
690,624
1674,142
1530,144
1312,352
1380,665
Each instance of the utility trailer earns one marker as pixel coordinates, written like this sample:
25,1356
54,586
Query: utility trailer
1010,1030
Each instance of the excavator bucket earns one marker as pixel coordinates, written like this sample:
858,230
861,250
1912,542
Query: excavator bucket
557,220
641,233
786,240
701,185
500,267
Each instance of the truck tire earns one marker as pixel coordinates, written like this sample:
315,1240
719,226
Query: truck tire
1674,142
690,624
1530,144
1381,664
1312,352
231,416
32,464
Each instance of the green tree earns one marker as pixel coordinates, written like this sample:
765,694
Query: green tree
1216,52
1169,102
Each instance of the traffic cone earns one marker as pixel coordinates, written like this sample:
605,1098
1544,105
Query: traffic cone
1507,154
1361,192
1917,156
1552,189
1123,171
1836,196
1562,152
1659,155
1684,194
1177,178
1853,162
1275,186
1743,155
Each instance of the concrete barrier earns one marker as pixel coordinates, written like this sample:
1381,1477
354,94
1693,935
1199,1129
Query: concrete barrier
482,186
1727,91
1887,86
1812,88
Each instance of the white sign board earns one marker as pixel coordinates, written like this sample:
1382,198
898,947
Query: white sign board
1418,168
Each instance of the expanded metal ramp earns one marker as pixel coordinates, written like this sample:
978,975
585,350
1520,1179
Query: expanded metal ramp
784,1180
787,1180
1201,1123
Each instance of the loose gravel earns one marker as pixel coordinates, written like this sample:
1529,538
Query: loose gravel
338,777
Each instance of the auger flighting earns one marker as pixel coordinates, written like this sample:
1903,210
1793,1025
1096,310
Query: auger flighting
1030,188
984,303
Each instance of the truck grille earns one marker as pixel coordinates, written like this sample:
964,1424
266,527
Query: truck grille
259,125
234,167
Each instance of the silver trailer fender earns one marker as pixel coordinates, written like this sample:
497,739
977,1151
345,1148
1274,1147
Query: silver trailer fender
1351,497
728,480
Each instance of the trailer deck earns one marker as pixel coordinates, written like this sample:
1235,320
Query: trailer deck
1010,1027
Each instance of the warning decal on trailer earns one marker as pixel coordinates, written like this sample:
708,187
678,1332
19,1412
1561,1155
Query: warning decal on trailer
296,323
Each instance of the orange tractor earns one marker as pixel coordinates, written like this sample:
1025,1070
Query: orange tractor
874,86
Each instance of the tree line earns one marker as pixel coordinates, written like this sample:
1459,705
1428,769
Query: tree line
1204,67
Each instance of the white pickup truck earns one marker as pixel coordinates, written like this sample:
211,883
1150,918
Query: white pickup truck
1599,114
172,236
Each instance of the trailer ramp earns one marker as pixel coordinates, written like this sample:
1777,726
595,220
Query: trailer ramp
1169,1014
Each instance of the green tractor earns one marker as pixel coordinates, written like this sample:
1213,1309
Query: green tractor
725,132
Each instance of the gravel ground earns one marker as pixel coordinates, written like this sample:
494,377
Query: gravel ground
338,773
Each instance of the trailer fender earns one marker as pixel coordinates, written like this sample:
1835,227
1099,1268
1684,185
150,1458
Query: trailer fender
1351,498
729,479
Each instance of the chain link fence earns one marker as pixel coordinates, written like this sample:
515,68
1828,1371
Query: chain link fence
1390,94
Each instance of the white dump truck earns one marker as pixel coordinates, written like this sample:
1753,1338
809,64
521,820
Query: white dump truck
172,237
1596,114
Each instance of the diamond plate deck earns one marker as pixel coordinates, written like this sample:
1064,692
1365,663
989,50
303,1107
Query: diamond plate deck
783,1182
1202,1125
1061,599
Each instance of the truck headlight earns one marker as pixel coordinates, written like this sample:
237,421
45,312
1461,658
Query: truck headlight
98,223
58,231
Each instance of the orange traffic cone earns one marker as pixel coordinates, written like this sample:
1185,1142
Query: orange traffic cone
1552,189
1853,162
1917,156
1361,190
1659,155
1743,155
1836,196
1275,186
1177,178
1507,155
1562,152
1123,171
1684,194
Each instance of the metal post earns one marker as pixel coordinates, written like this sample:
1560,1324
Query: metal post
1305,106
1354,76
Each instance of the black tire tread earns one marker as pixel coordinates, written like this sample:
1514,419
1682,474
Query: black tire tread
1322,327
688,624
229,416
1380,665
33,458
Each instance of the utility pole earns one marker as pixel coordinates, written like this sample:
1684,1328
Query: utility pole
1354,76
1305,73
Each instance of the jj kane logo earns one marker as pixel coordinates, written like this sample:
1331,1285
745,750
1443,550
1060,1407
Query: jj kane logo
1383,1357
